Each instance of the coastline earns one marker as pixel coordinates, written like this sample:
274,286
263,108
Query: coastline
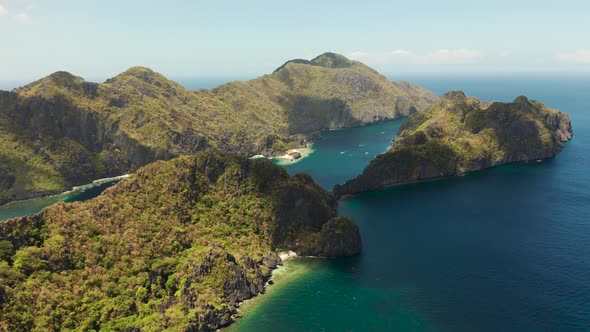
440,178
35,205
73,190
287,255
287,159
293,268
96,182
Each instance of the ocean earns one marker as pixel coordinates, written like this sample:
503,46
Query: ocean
505,249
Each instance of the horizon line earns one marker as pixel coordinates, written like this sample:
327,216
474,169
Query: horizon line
9,84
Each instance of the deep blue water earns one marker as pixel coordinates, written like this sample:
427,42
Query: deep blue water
506,249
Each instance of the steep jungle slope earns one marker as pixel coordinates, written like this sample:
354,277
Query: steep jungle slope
175,247
460,134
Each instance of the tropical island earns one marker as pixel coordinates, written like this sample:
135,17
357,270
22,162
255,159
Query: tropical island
198,227
460,134
62,131
177,246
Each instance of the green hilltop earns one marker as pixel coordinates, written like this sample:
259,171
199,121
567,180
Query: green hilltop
62,131
175,247
459,134
328,60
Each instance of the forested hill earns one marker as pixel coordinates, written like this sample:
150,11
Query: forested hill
62,131
175,247
461,134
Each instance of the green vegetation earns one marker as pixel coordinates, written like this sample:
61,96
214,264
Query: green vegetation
62,131
461,134
175,247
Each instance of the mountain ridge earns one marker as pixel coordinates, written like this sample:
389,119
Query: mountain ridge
62,131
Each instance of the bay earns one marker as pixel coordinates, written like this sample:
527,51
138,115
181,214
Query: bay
505,249
35,205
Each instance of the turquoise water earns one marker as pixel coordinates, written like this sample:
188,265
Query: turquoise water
506,249
343,154
32,206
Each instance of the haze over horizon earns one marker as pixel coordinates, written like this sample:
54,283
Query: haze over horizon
231,39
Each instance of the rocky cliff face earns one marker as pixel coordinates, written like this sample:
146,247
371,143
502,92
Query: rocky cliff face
176,246
61,131
459,135
331,91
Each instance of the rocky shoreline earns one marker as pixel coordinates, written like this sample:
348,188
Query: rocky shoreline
179,244
133,119
75,189
459,135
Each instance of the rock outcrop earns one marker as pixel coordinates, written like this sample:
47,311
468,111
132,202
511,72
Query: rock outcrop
62,131
461,134
178,245
294,154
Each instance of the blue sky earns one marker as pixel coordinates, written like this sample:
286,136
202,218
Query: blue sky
99,39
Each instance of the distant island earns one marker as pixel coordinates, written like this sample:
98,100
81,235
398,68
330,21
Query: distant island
62,131
459,134
177,246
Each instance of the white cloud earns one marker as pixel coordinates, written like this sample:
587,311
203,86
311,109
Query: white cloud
400,53
3,10
32,6
443,56
579,56
23,18
449,56
505,54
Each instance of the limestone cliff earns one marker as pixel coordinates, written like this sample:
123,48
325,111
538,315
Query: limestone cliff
460,134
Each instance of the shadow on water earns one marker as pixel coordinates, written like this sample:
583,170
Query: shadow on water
32,206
